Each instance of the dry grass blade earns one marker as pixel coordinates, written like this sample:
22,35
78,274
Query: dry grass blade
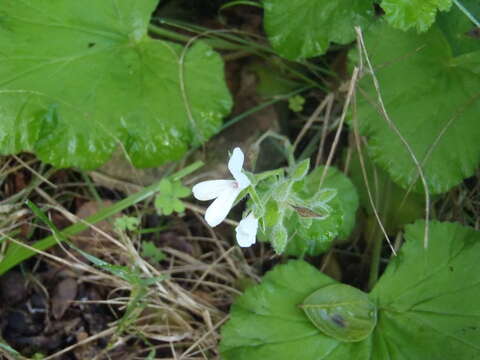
314,117
324,131
364,53
351,89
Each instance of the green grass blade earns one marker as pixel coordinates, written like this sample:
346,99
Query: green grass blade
16,253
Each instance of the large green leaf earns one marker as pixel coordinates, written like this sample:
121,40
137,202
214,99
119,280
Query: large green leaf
419,14
432,295
304,28
433,98
394,205
79,78
458,29
427,300
268,323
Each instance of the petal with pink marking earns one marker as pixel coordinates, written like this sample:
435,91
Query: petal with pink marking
235,165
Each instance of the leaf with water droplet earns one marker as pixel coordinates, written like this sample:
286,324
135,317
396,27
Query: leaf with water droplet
342,312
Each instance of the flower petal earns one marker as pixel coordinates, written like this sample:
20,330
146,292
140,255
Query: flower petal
247,231
235,165
211,189
242,180
219,209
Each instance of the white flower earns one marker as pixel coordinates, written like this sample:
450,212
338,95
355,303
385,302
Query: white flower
247,231
223,191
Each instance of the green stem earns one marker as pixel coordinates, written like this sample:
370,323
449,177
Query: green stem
172,35
91,187
16,253
227,41
241,2
377,239
263,105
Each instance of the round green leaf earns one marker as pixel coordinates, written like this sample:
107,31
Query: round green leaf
79,79
304,28
342,312
313,227
434,100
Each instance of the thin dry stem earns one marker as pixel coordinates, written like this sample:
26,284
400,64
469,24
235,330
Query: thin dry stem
364,52
314,117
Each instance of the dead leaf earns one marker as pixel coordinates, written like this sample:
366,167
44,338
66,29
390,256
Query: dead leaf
305,212
92,240
63,295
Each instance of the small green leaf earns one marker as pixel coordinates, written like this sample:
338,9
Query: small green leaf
419,14
342,312
312,216
432,97
168,199
300,170
345,191
165,186
150,250
80,78
279,238
304,28
126,223
296,103
281,190
272,213
336,202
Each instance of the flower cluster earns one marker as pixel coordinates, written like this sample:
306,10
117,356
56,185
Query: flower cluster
224,193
